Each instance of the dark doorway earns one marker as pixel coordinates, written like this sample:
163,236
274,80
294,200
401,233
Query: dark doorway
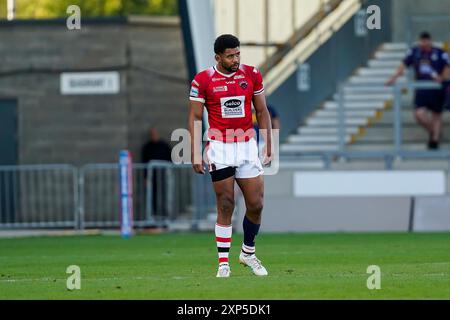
8,157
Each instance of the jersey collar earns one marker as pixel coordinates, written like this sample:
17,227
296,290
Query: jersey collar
223,74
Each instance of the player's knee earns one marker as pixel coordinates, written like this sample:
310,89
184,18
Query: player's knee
436,116
226,204
255,207
419,114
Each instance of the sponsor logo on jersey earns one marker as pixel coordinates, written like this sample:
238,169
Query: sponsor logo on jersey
239,76
220,89
194,92
230,82
243,84
233,107
233,103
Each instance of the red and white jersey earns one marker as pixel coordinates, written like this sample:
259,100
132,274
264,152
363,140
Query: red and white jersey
228,100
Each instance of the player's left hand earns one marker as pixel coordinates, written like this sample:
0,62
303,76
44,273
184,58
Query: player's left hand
267,156
438,79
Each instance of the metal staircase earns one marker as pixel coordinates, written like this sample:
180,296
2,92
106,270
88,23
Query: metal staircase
365,98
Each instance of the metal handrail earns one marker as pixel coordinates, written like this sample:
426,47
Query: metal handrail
299,35
397,91
388,155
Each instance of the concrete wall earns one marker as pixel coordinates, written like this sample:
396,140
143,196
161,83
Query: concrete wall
283,212
403,8
431,214
78,129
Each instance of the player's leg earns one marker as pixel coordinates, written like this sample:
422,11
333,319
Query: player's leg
421,102
253,191
224,190
436,120
436,106
422,117
223,182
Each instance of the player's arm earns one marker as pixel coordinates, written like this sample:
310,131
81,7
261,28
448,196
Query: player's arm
444,75
196,117
407,62
398,73
264,123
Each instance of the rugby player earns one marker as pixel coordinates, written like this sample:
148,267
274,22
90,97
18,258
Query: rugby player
227,90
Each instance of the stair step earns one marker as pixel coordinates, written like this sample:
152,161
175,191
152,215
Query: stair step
324,139
390,146
365,97
334,113
287,148
385,72
415,131
406,139
409,114
335,122
389,55
407,118
364,89
395,46
357,105
372,80
394,64
325,130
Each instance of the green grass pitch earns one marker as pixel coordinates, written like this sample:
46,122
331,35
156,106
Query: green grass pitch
183,266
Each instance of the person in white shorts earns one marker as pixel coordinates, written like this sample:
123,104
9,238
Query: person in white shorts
243,156
228,90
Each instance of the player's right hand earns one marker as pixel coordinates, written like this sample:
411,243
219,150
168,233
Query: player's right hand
199,168
390,82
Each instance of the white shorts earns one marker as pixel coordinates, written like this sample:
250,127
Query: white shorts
240,155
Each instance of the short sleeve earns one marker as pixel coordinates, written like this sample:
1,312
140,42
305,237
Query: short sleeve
445,58
409,58
258,86
198,89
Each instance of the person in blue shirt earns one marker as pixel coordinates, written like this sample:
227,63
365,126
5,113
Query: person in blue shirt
432,64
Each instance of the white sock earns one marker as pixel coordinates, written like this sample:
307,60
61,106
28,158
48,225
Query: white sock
223,240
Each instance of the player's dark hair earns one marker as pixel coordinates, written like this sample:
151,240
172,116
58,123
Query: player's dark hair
224,42
425,35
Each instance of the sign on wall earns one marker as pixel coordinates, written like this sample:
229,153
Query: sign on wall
369,183
90,82
304,77
360,23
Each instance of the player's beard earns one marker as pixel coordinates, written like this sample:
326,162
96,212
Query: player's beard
230,68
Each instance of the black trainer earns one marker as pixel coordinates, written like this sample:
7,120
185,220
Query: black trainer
433,145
